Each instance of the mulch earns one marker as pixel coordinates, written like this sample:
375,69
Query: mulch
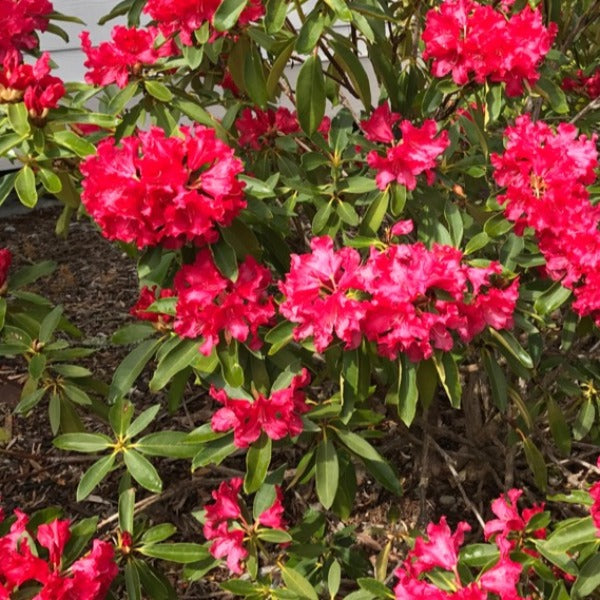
444,470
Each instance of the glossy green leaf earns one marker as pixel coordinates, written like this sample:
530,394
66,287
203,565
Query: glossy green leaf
26,188
258,459
327,472
142,470
94,475
310,95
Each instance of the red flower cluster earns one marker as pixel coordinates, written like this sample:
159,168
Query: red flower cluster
406,298
209,303
5,261
471,40
155,189
130,51
31,83
442,551
258,128
415,153
19,20
147,298
88,578
558,208
226,526
586,85
278,415
184,17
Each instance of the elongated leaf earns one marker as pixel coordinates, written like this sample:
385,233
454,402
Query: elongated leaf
142,421
94,475
327,472
25,187
158,90
258,459
298,584
142,470
172,444
49,324
310,95
83,442
183,552
228,13
131,367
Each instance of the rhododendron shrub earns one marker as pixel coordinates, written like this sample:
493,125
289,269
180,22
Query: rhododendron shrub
347,219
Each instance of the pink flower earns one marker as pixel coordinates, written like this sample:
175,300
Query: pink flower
441,549
19,20
320,295
379,126
402,227
278,416
127,54
154,189
416,153
209,304
5,261
184,17
470,40
225,525
147,297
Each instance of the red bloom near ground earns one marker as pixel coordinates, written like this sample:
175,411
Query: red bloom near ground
5,262
154,189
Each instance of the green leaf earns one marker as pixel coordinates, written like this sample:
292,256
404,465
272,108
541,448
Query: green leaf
49,324
408,391
37,364
374,462
183,552
158,533
9,141
588,579
225,259
94,475
334,578
71,141
553,298
449,376
354,69
25,187
310,95
7,182
83,442
126,510
50,181
375,214
158,90
197,113
254,78
274,536
130,368
276,11
30,400
132,581
340,8
477,242
228,13
380,590
180,357
171,444
214,452
327,472
559,427
258,459
497,381
279,66
142,470
551,91
298,584
584,420
131,333
18,118
72,371
347,213
537,464
142,421
311,31
568,537
508,341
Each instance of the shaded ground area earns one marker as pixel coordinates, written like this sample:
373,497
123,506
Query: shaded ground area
445,470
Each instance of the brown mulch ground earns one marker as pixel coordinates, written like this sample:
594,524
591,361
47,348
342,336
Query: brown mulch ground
449,472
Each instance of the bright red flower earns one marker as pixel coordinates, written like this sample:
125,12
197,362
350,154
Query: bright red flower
54,536
595,508
258,128
278,415
209,304
19,20
471,40
127,54
225,525
379,126
94,573
154,189
147,297
321,295
414,154
184,17
5,262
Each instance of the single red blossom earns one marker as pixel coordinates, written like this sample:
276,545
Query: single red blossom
414,154
147,297
278,416
5,262
226,527
257,128
503,577
94,573
379,126
54,537
130,50
154,189
441,548
594,492
321,295
402,227
209,304
19,21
